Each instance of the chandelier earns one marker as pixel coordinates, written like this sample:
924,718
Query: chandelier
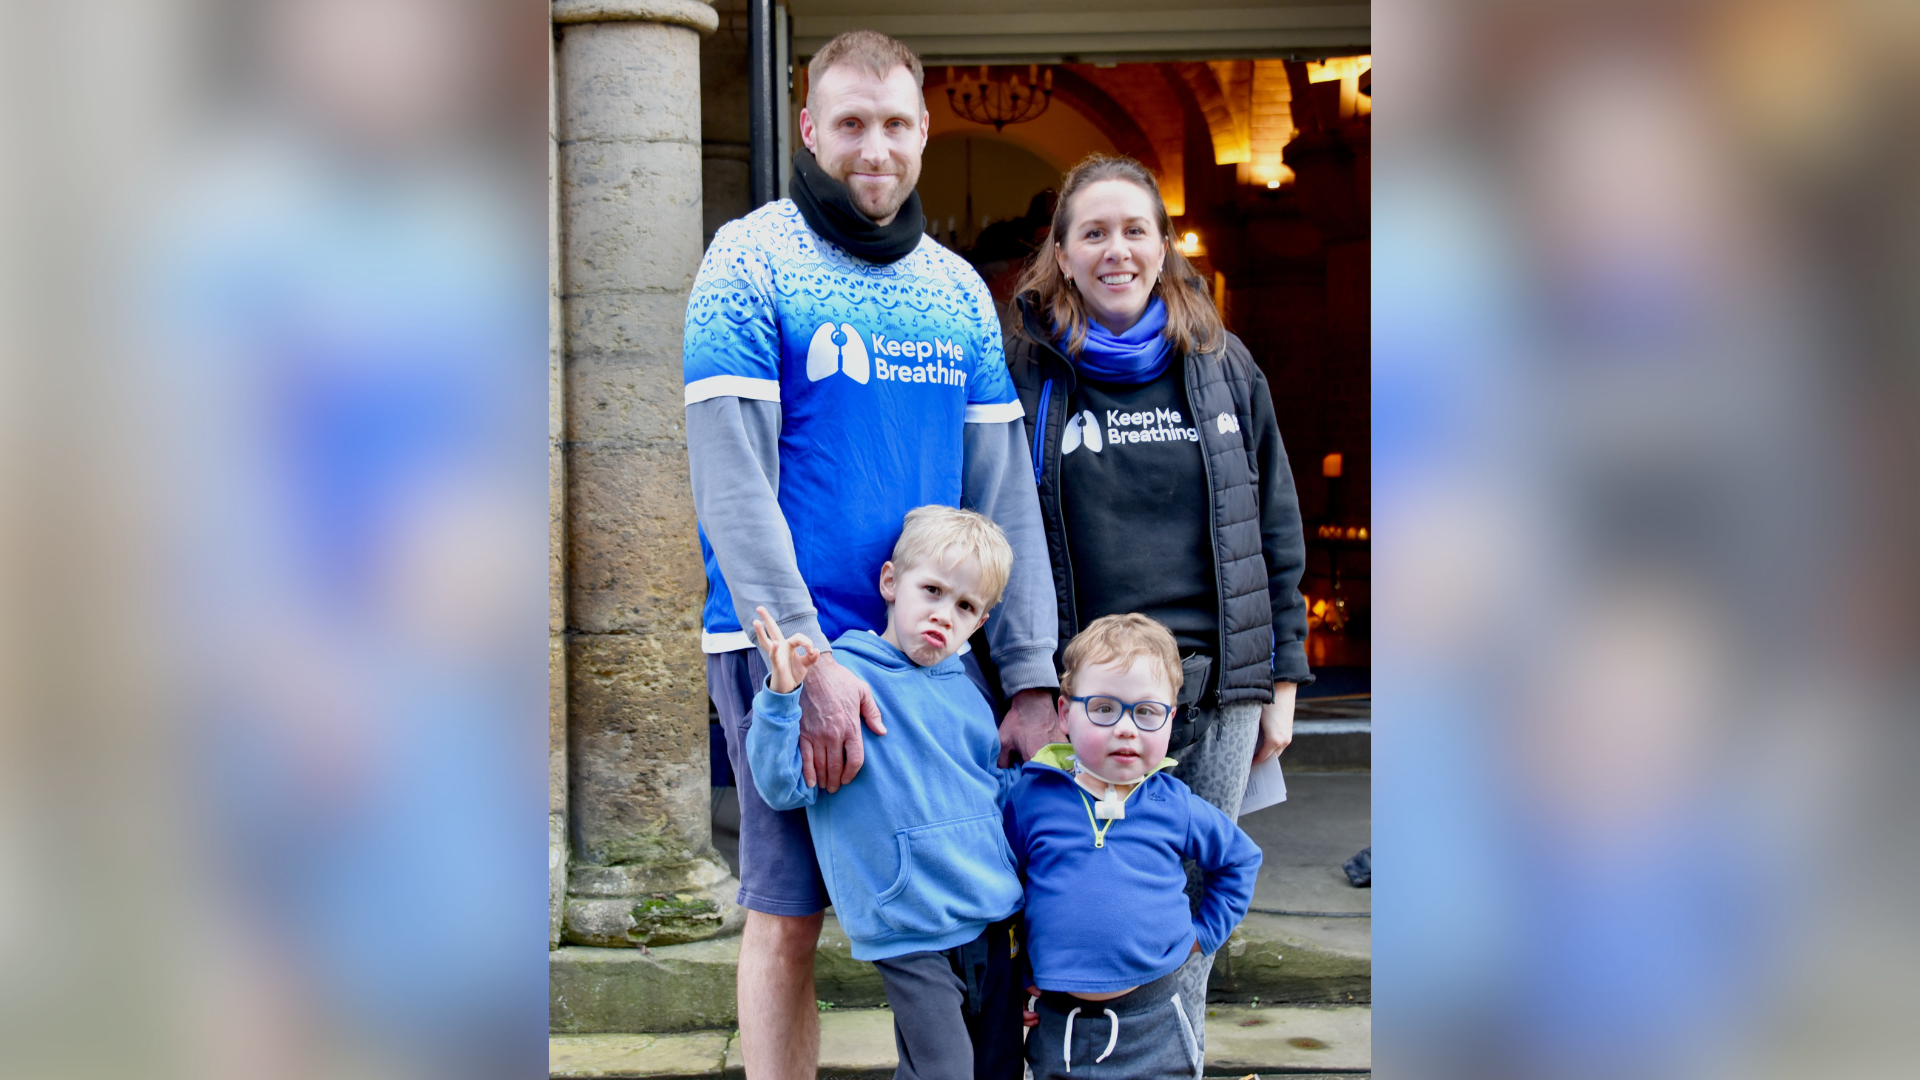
1001,101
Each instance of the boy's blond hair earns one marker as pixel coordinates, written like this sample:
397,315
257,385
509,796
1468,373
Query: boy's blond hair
1123,639
941,531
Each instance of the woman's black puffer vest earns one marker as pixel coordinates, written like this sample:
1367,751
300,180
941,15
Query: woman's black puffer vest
1258,544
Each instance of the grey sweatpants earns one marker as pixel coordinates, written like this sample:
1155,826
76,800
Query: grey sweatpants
1144,1034
1216,769
956,1013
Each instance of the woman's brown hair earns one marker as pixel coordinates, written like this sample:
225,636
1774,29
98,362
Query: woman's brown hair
1192,323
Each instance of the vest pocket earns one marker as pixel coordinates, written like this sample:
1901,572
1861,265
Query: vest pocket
951,872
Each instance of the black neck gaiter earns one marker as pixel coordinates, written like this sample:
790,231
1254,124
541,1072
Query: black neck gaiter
828,207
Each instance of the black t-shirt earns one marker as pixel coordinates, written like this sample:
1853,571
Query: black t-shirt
1133,490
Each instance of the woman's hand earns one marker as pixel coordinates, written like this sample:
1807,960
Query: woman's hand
788,659
1029,1014
1276,722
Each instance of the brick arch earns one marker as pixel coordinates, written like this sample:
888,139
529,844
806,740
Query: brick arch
1083,97
1232,136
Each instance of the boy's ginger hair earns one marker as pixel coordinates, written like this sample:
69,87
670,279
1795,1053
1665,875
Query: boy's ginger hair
1123,639
940,530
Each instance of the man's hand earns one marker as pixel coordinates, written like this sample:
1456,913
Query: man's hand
1276,722
833,701
1032,722
1030,1014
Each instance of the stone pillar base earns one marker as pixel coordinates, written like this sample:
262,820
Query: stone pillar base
652,905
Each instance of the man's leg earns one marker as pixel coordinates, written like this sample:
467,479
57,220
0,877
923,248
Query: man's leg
781,889
779,1016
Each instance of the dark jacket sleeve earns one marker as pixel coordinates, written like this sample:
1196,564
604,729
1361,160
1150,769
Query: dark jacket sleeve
1282,539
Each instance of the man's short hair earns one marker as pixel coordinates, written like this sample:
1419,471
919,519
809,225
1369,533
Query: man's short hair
871,51
1122,639
953,534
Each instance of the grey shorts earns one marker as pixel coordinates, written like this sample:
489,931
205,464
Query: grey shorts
778,872
1142,1035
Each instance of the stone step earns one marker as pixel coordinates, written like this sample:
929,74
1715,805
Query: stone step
856,1044
1271,958
1332,734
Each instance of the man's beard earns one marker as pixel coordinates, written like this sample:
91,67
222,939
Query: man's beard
895,197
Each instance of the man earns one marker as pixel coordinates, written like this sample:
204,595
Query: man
842,368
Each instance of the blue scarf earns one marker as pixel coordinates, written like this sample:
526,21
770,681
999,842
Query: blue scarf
1137,356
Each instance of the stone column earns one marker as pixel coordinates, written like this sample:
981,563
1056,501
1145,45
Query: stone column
643,870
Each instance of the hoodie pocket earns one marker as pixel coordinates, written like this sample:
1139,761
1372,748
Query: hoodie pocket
950,873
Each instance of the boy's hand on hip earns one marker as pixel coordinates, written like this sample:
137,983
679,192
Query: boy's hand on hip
1031,723
833,702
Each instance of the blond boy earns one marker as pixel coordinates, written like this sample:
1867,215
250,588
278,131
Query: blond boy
912,849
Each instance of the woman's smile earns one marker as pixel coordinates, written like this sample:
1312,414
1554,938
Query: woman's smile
1113,253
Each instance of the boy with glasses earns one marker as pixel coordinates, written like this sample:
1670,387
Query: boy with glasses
1100,834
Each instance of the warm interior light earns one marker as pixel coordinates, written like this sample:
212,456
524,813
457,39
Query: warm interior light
1337,68
1191,239
1273,184
1189,244
1330,466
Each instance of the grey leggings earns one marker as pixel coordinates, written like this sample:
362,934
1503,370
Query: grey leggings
1216,769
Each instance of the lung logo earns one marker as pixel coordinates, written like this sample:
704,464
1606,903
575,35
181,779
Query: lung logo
837,349
1225,422
1084,428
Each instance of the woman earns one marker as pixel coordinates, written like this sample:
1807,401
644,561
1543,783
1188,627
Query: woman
1163,482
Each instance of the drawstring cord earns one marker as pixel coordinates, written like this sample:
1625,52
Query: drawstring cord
1113,1037
1066,1042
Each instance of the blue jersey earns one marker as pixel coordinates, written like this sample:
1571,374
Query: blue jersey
876,369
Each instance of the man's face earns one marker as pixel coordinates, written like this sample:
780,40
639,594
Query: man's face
932,609
868,134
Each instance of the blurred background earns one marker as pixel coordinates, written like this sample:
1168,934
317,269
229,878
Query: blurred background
273,551
272,761
1644,436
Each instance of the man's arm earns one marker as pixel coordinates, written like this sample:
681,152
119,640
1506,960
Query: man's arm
733,453
1024,629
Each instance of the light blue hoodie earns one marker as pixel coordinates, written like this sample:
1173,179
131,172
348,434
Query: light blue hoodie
913,851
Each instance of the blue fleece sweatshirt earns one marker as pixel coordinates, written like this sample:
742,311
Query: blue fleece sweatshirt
1101,919
913,850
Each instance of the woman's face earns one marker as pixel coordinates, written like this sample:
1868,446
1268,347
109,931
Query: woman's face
1113,251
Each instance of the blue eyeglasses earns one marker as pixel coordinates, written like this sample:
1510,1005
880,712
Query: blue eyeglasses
1106,711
